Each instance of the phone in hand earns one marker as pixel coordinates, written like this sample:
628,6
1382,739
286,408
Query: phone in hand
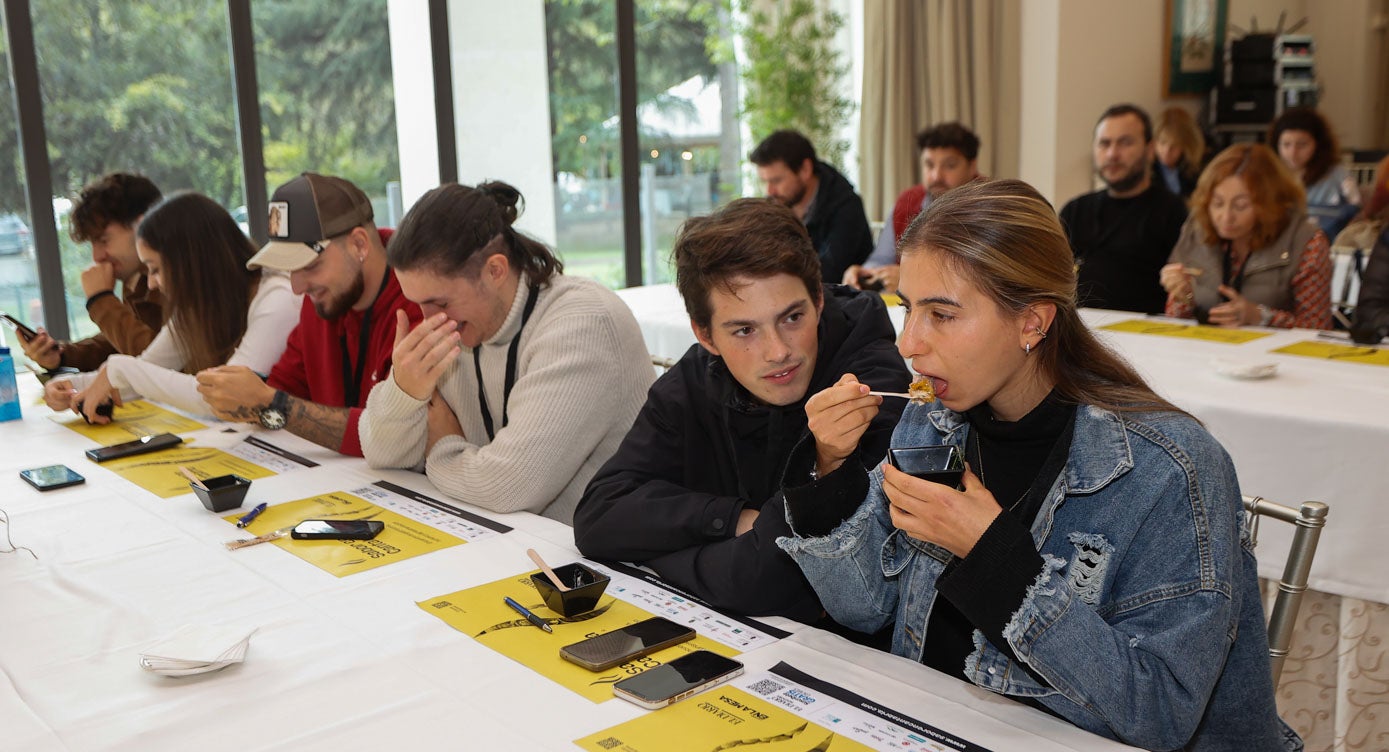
51,477
337,529
614,648
131,448
24,332
671,682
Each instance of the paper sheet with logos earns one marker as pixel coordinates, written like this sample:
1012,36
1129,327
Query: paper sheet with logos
158,472
480,613
413,527
1374,356
1186,331
129,421
779,710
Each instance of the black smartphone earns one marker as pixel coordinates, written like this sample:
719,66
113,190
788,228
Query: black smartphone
51,477
53,373
671,682
131,448
621,645
337,529
18,326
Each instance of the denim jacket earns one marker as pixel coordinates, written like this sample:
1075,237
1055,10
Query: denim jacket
1145,620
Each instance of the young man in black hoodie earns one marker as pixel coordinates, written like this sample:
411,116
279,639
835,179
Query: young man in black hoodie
820,196
692,492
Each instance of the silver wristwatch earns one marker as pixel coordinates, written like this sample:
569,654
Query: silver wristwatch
274,416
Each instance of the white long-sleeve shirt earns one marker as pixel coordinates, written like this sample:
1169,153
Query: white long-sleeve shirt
582,371
157,374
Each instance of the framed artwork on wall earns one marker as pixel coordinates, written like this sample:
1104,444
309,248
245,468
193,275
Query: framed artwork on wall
1194,38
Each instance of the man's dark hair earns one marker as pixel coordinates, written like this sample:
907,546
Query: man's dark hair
783,146
1120,110
749,237
120,197
454,228
949,136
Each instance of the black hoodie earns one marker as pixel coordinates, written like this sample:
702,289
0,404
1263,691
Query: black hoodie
702,449
837,225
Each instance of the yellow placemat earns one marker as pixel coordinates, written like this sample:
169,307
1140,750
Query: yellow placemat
402,539
157,472
1345,353
721,718
1187,331
130,421
480,613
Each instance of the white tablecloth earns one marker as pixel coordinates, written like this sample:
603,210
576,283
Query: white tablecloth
337,663
1318,430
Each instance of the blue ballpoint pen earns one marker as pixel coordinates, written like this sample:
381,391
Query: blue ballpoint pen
251,515
530,616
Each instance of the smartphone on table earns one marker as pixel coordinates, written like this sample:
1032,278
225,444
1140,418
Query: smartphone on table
131,448
51,477
671,682
24,332
337,529
621,645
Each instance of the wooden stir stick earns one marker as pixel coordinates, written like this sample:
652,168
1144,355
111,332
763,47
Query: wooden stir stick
550,573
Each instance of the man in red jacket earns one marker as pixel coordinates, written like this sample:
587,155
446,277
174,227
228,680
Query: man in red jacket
324,237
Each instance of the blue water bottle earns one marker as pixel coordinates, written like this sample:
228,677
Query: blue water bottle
9,389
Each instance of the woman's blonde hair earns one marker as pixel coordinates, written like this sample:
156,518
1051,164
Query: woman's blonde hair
1005,239
1178,125
1276,194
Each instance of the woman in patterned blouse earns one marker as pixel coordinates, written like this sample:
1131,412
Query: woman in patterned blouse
1249,255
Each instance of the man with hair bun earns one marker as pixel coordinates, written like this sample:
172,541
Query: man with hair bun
519,382
693,491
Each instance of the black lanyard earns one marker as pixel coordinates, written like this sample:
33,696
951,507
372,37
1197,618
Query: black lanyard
1235,281
352,382
534,293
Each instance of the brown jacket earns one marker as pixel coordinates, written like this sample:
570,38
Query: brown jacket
1268,272
127,326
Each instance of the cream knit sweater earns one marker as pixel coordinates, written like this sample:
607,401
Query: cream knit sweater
582,372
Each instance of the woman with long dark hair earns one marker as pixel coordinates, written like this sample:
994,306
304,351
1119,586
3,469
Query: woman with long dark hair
1094,562
1307,145
216,312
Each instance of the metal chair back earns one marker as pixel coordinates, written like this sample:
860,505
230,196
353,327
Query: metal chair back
1308,519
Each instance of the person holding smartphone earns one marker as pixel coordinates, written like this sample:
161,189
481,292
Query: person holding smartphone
1096,562
105,215
218,312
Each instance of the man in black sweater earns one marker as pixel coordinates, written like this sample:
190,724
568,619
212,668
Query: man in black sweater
820,196
693,491
1122,235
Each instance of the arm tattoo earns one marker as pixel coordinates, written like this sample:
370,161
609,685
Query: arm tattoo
321,424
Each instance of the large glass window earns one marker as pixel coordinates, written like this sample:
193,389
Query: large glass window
586,141
327,102
686,121
19,288
140,87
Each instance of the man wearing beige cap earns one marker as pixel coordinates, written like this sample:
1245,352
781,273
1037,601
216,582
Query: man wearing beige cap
323,236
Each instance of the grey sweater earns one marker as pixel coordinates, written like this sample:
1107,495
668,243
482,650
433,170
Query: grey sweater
582,371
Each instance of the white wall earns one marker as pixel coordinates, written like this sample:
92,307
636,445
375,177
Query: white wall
501,95
501,101
412,75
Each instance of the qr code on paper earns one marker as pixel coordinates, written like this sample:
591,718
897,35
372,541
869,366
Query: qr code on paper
766,687
609,743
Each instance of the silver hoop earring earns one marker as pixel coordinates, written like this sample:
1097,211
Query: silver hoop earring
1027,349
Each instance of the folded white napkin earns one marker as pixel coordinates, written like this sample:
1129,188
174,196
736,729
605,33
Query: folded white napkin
197,649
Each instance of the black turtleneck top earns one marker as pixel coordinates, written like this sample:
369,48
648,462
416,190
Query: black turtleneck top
1018,462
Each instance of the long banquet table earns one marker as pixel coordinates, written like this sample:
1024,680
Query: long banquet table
1317,430
336,663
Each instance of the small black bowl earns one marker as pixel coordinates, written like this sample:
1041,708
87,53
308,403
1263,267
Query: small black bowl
586,586
942,463
223,492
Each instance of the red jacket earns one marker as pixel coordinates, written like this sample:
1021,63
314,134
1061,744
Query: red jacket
311,367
